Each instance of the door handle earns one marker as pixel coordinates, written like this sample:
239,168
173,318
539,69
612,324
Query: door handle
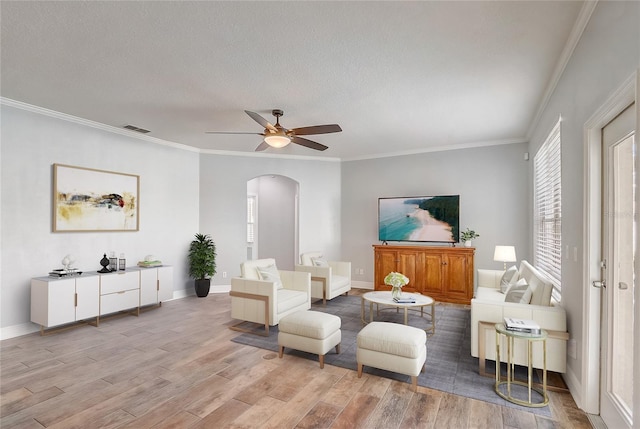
599,284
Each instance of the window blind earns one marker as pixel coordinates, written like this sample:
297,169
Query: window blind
251,218
547,217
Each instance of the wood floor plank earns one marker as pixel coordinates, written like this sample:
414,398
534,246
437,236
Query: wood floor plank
357,411
261,411
320,416
422,410
390,410
223,416
176,367
485,415
518,419
453,412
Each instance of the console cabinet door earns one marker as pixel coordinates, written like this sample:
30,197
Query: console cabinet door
165,283
457,274
148,286
386,262
87,297
433,283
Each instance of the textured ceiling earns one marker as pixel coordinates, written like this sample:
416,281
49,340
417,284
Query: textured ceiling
399,77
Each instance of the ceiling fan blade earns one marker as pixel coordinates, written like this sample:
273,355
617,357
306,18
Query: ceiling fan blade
308,143
262,121
262,146
232,132
317,129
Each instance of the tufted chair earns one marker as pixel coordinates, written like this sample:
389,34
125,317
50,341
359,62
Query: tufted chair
263,294
328,278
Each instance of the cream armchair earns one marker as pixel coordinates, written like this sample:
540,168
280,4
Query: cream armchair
328,278
264,294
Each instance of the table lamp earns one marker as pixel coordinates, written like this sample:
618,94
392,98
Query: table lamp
505,254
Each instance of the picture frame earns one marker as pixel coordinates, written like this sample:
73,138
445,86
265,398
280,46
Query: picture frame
90,200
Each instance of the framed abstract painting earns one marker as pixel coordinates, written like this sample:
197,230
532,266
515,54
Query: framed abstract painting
85,199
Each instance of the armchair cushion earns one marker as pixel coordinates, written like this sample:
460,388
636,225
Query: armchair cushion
508,278
270,273
519,292
249,269
319,262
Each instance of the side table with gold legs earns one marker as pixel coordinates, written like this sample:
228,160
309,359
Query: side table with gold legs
510,380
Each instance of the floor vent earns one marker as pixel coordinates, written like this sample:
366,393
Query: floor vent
134,128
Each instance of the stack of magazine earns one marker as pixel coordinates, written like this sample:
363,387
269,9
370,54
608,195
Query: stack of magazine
405,300
65,273
522,325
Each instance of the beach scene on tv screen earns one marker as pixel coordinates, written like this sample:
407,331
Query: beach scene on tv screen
419,219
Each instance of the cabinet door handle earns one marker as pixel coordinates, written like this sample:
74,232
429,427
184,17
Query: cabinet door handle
75,299
157,285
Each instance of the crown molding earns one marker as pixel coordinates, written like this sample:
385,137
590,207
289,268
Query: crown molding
574,37
92,124
439,149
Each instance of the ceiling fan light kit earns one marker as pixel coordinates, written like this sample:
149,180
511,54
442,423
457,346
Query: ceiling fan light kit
277,140
277,136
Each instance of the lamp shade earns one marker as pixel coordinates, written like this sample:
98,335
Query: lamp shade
277,140
505,254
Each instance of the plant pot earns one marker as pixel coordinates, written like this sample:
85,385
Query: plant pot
202,287
467,243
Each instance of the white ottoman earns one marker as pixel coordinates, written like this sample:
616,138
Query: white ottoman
392,347
311,332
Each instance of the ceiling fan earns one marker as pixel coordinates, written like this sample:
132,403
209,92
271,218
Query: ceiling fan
277,136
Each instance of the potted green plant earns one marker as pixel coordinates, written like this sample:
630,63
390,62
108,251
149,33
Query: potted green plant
202,263
468,235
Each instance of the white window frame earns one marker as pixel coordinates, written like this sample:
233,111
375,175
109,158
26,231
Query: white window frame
547,210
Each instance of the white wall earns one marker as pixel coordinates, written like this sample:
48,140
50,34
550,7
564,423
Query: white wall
606,56
31,143
277,217
491,182
223,190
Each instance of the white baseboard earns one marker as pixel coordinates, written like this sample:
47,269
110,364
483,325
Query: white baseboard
575,387
357,284
18,330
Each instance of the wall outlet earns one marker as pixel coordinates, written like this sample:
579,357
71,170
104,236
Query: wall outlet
361,271
224,274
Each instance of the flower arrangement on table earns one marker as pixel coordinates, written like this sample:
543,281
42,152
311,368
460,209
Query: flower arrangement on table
396,281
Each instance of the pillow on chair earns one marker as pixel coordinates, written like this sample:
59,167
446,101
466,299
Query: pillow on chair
319,262
519,292
270,273
509,278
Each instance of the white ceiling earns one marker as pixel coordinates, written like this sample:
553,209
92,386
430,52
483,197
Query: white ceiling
399,77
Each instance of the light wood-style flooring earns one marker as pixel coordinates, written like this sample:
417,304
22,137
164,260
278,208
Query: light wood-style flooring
175,367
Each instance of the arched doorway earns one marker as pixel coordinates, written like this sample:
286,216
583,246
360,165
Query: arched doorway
272,215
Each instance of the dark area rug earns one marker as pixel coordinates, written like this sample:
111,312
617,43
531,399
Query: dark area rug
450,366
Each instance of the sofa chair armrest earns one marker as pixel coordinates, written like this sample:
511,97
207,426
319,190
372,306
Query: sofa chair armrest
341,268
253,301
489,278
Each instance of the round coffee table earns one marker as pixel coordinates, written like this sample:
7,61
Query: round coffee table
384,298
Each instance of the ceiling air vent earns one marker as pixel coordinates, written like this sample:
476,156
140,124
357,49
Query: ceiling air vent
134,128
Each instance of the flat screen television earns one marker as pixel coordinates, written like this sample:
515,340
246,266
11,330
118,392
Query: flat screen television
423,218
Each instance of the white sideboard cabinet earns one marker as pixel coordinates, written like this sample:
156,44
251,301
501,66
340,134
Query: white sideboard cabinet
64,301
156,285
57,302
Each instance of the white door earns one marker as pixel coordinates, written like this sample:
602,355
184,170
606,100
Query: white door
617,336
